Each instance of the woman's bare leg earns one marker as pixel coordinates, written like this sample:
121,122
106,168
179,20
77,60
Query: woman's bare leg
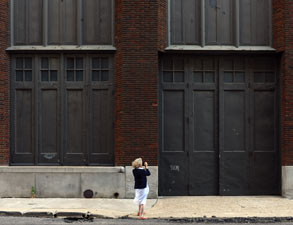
139,208
142,212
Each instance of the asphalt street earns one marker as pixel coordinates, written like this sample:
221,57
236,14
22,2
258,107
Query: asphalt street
66,221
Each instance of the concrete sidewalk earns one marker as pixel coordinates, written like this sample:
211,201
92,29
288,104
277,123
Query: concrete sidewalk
164,207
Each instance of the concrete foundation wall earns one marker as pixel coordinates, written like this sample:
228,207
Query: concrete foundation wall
287,181
71,182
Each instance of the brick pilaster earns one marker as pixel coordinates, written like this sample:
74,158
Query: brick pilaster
139,36
283,42
4,83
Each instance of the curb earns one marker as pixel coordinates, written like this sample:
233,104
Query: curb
72,216
38,214
10,213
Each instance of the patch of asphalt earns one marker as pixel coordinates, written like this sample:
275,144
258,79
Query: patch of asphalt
231,220
70,214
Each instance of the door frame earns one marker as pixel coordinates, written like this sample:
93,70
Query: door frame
36,56
278,87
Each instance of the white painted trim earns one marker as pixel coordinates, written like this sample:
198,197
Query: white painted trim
218,48
62,47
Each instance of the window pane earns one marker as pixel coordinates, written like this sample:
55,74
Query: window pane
105,75
70,63
96,63
197,77
79,75
105,63
19,76
239,77
95,75
168,76
70,75
19,63
45,75
228,77
179,76
45,63
79,63
53,75
54,63
270,77
259,77
209,77
28,63
28,75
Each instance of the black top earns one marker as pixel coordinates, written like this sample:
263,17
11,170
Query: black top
140,178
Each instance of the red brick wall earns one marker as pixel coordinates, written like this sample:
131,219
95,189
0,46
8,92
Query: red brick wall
4,84
283,42
162,24
278,25
136,79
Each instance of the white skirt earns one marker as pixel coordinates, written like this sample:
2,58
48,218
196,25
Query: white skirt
141,195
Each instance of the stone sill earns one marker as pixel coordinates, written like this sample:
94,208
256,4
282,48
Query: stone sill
218,48
61,169
62,48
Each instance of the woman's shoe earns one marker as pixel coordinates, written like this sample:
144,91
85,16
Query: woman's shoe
143,218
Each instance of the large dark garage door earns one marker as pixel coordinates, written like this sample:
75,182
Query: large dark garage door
219,126
62,110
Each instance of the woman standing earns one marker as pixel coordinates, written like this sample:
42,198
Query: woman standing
141,187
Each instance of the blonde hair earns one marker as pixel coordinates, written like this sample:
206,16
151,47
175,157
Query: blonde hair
137,163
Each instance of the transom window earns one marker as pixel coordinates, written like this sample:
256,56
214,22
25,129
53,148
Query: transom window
100,69
74,68
173,70
61,22
49,69
264,77
204,71
220,22
23,69
234,71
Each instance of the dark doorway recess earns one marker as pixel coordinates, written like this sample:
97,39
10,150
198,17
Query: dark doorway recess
219,126
62,109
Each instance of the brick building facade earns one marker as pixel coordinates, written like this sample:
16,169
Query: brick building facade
146,37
